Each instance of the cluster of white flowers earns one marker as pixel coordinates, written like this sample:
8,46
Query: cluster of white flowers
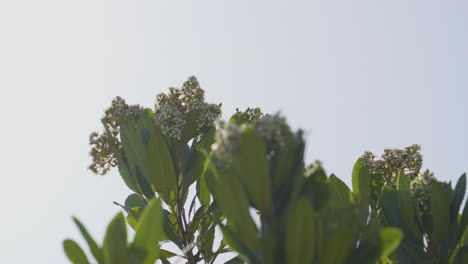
421,189
171,109
271,128
227,140
101,152
313,167
249,115
394,160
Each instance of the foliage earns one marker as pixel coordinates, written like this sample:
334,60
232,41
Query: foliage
249,178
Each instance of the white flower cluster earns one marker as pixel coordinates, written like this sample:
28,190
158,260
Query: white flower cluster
272,128
171,109
394,160
101,152
227,140
421,189
249,115
313,167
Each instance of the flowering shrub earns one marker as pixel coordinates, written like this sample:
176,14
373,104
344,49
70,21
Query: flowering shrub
248,177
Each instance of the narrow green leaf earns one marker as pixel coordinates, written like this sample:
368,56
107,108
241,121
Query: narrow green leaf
337,247
74,252
124,169
340,195
235,260
149,231
455,232
252,169
115,242
133,216
231,238
300,238
203,193
361,187
94,248
403,182
458,196
232,199
161,170
389,240
440,203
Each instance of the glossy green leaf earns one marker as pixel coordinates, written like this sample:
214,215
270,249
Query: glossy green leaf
234,241
300,238
190,129
194,166
134,200
440,203
133,216
170,228
124,169
361,186
403,182
232,199
389,240
203,192
94,248
235,260
340,195
337,247
115,242
457,197
149,231
252,169
161,170
455,232
290,160
391,202
74,252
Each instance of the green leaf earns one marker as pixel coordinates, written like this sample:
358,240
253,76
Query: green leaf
133,147
231,238
403,183
133,216
190,129
337,247
290,160
94,248
115,242
134,200
252,169
149,231
203,193
440,203
124,170
361,186
161,170
232,199
300,238
170,228
74,253
457,197
316,188
392,202
455,232
389,240
194,166
235,260
340,195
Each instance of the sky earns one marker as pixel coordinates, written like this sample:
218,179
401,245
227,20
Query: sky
355,75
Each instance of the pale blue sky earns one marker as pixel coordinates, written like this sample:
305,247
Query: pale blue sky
356,75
